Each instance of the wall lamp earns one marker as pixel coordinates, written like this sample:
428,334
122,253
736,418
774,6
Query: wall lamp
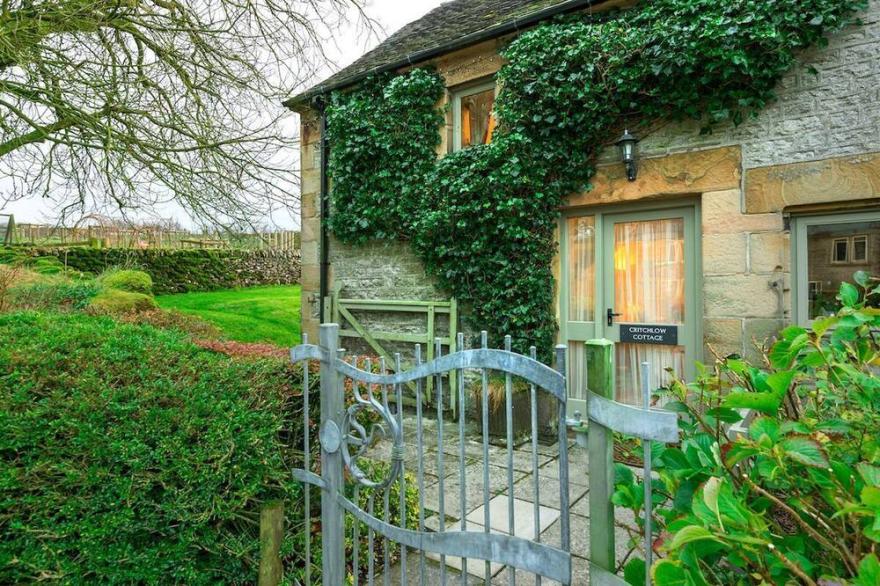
627,144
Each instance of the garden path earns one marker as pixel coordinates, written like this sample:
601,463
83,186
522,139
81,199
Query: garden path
548,475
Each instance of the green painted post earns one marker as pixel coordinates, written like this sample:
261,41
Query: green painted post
600,446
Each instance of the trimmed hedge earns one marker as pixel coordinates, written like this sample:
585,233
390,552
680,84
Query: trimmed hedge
129,455
181,271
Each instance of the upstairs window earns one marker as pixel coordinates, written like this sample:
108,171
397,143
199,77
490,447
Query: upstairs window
473,120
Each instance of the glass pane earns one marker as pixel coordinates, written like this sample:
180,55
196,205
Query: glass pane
477,121
581,273
649,288
860,249
828,266
628,377
577,368
649,271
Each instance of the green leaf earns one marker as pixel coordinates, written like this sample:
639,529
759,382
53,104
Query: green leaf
710,497
869,571
634,572
666,572
870,474
764,426
848,294
690,534
806,451
870,496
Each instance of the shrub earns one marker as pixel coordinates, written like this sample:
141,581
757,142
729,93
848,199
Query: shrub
117,301
795,496
127,280
56,294
129,455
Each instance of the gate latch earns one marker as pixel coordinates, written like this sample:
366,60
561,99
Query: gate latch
579,426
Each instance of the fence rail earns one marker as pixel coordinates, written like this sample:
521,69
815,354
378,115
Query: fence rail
134,237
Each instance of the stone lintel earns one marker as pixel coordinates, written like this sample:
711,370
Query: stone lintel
670,176
773,188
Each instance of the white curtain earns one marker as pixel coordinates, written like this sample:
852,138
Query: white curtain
648,289
581,279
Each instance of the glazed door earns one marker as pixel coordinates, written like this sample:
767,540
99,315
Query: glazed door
649,302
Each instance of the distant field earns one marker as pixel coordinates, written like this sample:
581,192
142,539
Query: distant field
253,314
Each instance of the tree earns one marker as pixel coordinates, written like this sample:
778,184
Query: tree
126,103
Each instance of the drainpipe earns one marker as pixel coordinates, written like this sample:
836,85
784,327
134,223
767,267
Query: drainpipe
324,241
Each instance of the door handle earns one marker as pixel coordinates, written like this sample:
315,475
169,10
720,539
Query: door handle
610,315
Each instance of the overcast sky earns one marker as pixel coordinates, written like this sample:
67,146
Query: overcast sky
346,45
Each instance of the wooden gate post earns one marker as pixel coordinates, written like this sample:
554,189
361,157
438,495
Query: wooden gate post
332,405
600,446
271,536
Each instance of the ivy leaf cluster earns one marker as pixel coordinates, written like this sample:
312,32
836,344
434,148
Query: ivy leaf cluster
483,219
385,137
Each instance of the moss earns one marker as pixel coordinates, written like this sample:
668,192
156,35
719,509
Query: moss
127,280
117,301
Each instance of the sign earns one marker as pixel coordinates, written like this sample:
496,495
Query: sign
649,334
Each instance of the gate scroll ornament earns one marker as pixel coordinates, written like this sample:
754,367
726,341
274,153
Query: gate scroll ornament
344,441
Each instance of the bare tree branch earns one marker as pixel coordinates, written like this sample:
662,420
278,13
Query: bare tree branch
129,103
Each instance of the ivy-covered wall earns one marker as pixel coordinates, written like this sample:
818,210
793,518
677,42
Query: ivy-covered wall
180,271
486,216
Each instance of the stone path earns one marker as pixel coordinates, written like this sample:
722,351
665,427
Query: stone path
472,508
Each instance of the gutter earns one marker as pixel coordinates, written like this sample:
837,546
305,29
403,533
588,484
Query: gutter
486,34
324,240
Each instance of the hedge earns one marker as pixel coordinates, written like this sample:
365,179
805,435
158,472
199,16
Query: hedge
130,455
181,271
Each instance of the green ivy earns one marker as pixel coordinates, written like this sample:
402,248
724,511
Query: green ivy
483,219
384,138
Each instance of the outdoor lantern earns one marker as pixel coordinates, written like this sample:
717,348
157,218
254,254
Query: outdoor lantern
627,144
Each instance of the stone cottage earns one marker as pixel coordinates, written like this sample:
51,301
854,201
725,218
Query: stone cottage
718,242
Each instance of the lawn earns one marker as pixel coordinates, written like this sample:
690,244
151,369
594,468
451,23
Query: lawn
252,314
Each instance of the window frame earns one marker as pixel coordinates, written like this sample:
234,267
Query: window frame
461,92
800,271
834,243
852,249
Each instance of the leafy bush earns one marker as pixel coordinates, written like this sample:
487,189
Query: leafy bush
795,496
117,301
127,280
53,294
129,455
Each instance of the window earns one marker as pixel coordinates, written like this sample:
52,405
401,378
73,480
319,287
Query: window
859,249
473,120
827,251
839,250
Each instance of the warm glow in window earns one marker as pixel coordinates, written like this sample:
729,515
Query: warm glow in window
476,123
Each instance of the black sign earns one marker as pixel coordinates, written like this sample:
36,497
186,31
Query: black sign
648,334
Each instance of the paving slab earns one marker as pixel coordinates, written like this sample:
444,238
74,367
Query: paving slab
523,516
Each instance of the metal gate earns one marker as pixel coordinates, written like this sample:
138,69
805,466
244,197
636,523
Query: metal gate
349,393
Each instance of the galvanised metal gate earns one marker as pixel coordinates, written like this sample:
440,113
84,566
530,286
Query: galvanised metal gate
344,437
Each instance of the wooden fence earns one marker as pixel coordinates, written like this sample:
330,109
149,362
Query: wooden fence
134,237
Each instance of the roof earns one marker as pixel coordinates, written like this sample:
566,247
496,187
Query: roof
450,26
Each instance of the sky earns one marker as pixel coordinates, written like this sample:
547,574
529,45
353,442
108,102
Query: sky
344,46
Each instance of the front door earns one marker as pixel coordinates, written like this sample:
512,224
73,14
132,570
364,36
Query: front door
630,277
649,307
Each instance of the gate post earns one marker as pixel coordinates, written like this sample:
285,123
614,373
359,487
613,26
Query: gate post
600,446
332,405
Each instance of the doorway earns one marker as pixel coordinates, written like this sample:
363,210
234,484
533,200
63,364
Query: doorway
630,275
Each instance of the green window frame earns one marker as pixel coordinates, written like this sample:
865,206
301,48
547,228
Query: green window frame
457,95
799,246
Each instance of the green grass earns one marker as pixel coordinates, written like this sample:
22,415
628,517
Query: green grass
253,314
